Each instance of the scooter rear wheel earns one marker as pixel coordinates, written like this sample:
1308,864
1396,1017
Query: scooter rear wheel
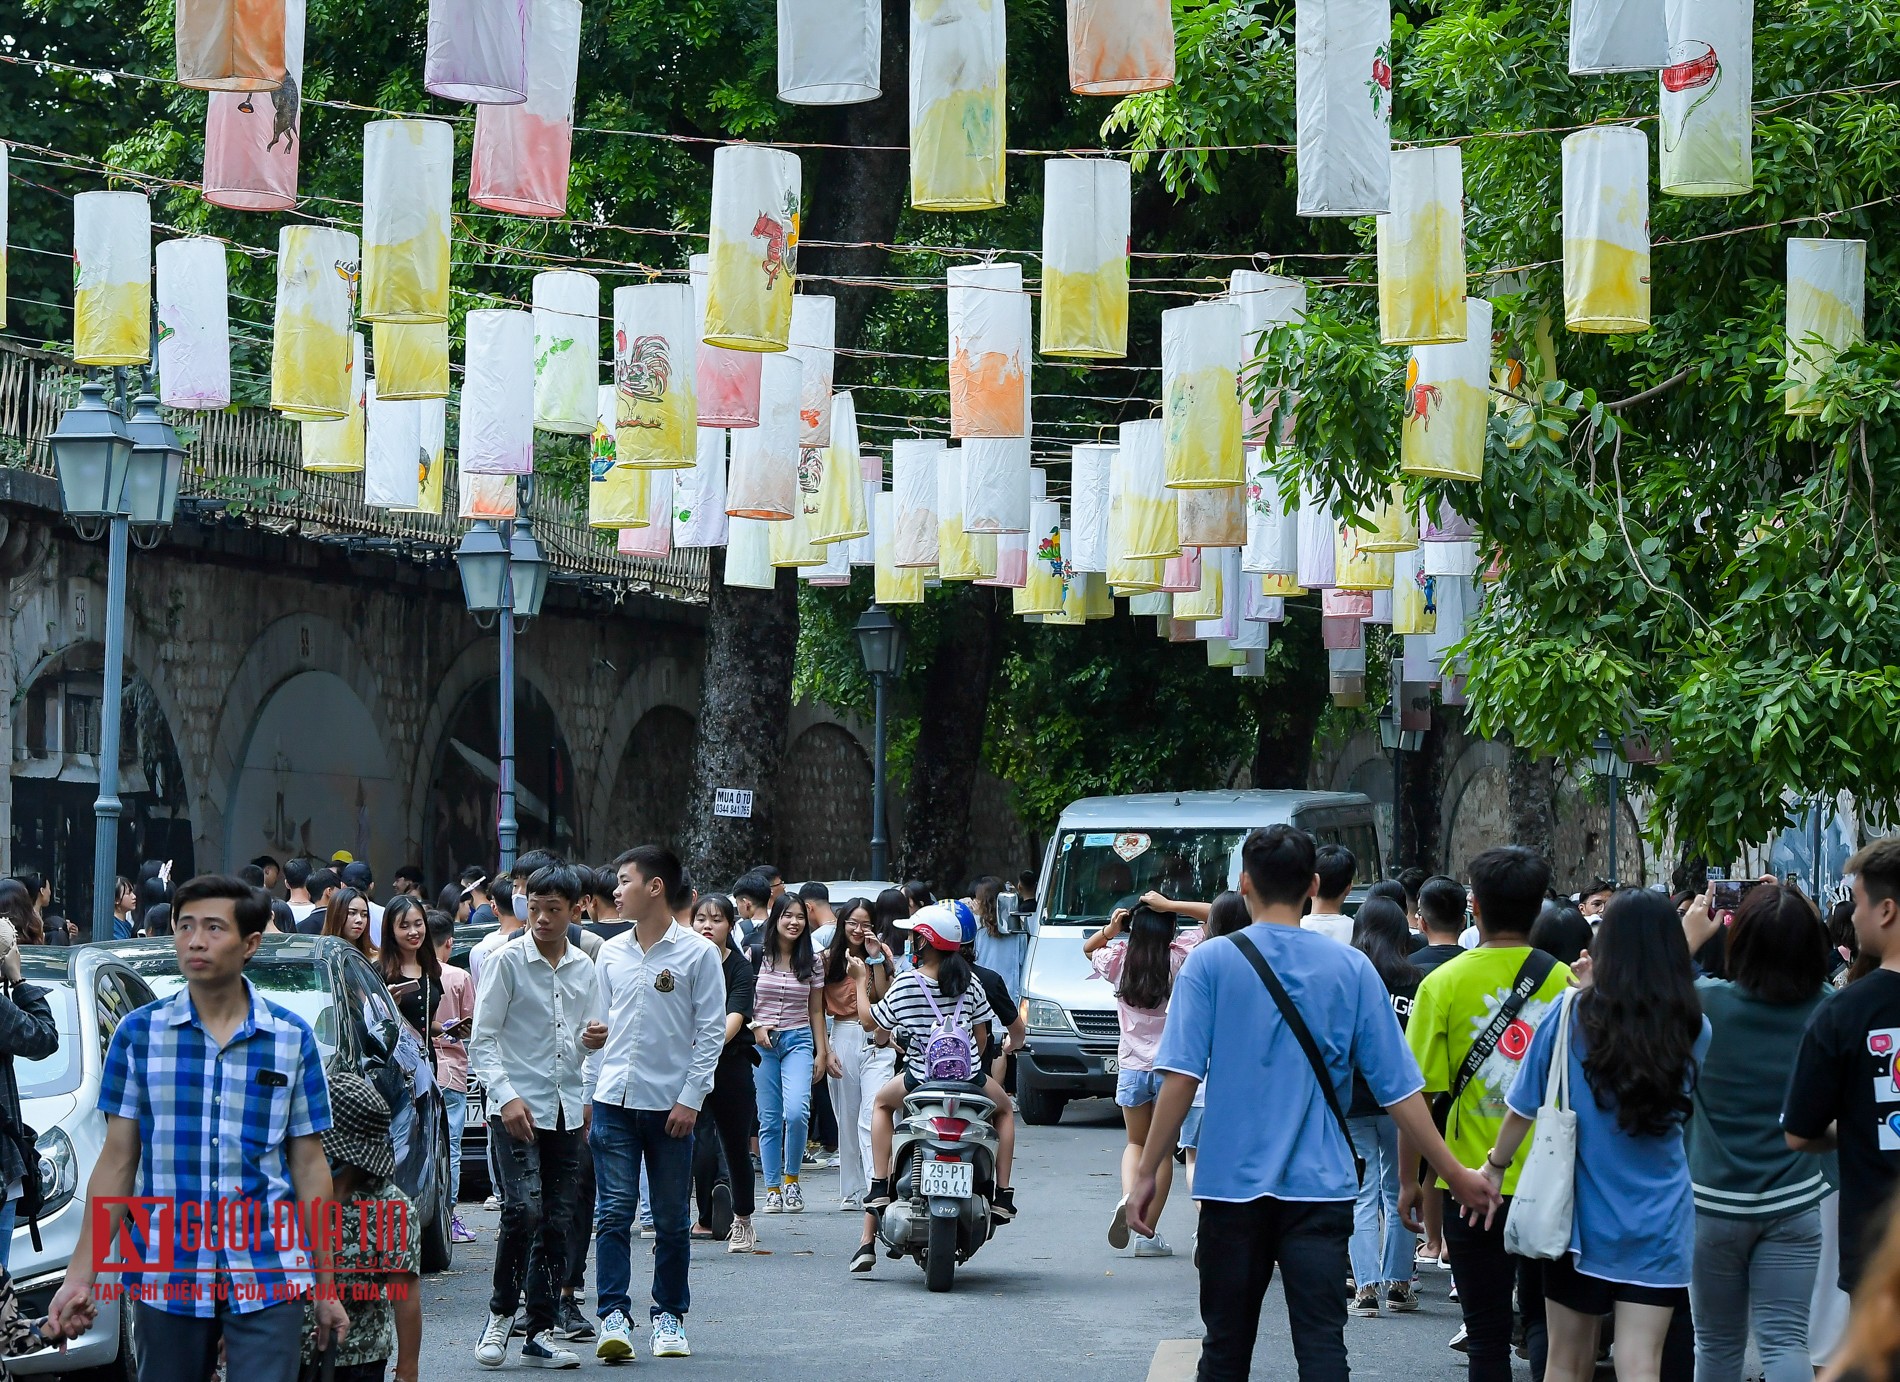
940,1255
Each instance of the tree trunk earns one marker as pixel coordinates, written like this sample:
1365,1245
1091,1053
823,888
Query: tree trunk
956,705
1533,790
745,707
1290,708
1420,821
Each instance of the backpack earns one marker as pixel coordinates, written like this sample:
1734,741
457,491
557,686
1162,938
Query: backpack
950,1050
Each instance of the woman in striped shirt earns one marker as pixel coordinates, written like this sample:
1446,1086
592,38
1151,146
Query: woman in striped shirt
788,1021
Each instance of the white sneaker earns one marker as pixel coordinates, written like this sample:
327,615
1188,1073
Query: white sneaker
542,1352
851,1204
794,1198
492,1350
616,1338
1118,1226
774,1202
743,1238
492,1203
1156,1246
669,1337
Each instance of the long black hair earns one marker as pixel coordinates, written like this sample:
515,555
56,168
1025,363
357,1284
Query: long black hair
1640,1017
840,948
891,907
1380,932
803,961
1148,966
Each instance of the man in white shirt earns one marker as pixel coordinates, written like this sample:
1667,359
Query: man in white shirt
665,993
535,1000
1335,865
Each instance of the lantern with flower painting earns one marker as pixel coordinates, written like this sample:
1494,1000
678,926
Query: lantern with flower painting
957,109
989,351
1264,301
412,359
252,138
655,346
477,51
229,45
725,382
1120,47
566,351
1704,133
311,341
830,52
1273,529
194,330
914,463
763,483
1421,243
893,583
522,150
335,445
1447,404
1826,306
1606,229
754,250
1043,580
112,278
813,343
699,495
408,167
1085,230
1342,97
1200,401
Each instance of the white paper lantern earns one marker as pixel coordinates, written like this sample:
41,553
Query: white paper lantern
1265,609
699,495
1826,308
830,52
1421,243
1120,47
871,481
311,345
393,458
1606,230
1011,571
194,327
1087,549
842,515
814,341
566,351
1706,126
957,109
1150,518
655,350
996,485
764,479
1447,405
725,382
1318,534
754,249
408,171
335,445
1343,106
749,555
1213,517
1264,301
914,462
523,151
1085,241
229,45
411,359
1617,36
112,278
652,539
893,584
1449,558
1220,570
989,351
497,436
961,555
836,571
252,140
1044,573
493,497
1200,401
477,51
1273,530
1456,601
792,543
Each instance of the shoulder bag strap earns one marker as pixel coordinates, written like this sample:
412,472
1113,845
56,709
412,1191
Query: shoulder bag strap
1530,978
1304,1035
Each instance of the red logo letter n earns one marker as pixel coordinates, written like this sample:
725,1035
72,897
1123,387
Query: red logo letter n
150,1216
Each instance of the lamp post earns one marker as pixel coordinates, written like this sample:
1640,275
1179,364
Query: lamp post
119,473
1397,742
1610,764
881,641
504,579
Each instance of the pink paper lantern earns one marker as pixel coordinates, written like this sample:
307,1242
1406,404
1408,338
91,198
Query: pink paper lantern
522,152
252,139
725,382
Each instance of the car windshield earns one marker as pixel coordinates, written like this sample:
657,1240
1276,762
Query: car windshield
302,989
58,1073
1097,871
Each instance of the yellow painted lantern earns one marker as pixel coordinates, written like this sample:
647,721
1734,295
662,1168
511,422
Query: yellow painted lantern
1150,517
1200,403
311,346
335,445
1395,525
655,349
754,249
1826,307
842,515
1085,241
961,555
412,359
1422,249
893,584
1447,405
112,278
749,555
957,109
408,167
1606,230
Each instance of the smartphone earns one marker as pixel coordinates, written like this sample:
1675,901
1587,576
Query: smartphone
1726,894
404,989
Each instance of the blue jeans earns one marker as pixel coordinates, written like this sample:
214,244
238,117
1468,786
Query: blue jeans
783,1080
623,1139
1375,1215
455,1104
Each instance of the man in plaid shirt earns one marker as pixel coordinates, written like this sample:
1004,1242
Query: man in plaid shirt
214,1102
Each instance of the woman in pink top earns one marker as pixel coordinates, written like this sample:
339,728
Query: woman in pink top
454,1019
788,1020
1142,967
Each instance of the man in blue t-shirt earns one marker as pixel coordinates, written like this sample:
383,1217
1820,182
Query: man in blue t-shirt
1275,1175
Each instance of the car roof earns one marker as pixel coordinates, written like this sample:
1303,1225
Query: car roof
156,954
1237,807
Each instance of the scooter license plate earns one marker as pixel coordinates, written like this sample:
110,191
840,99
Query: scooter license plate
948,1179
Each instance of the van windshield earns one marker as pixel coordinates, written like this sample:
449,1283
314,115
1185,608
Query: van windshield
1097,871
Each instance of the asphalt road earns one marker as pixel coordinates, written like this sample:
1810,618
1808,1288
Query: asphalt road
1047,1298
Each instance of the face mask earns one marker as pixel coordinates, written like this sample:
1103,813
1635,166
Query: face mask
520,905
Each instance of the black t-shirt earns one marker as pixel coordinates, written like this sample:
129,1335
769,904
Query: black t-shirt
1847,1074
1432,956
607,930
741,986
1001,1003
1364,1105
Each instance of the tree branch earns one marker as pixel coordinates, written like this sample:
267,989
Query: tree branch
1649,393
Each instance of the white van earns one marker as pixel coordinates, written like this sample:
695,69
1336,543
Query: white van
1105,853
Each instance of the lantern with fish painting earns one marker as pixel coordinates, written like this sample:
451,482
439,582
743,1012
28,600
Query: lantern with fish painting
1265,301
814,341
1200,401
989,351
1826,306
566,351
1120,47
335,445
1085,231
1342,97
725,382
1447,404
1421,245
477,51
412,359
1705,133
655,345
408,167
914,462
112,278
311,341
830,52
1087,549
252,138
957,109
522,151
229,45
699,495
194,328
893,583
754,249
497,436
1606,229
1609,36
763,483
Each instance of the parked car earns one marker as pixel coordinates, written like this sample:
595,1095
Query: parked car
1106,852
89,991
475,1178
308,975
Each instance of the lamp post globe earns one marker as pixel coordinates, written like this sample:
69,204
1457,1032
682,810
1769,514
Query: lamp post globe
91,452
880,642
482,559
157,465
528,569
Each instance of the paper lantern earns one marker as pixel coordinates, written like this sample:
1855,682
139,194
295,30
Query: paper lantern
830,52
1422,248
493,497
1219,594
996,481
1152,606
1414,609
1617,36
961,555
1341,619
814,340
252,141
194,327
1042,588
408,166
655,345
230,45
1394,525
311,345
1011,571
725,382
1704,135
1128,575
1266,609
836,571
914,464
841,515
4,177
497,435
653,538
1138,479
1089,464
412,359
699,495
765,459
870,484
957,109
754,249
1447,404
1357,567
792,543
1181,573
335,445
566,351
1119,47
431,459
1213,517
522,151
477,51
1284,587
112,278
1264,301
1273,530
616,494
1606,230
1342,96
1826,307
1085,237
748,560
1448,543
1200,401
1204,600
989,351
393,459
1318,538
1455,599
893,583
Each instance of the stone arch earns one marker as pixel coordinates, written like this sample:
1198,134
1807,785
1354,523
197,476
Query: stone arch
1477,802
824,805
648,804
657,682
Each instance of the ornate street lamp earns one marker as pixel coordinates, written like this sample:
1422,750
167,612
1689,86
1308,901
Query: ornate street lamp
1611,765
91,451
881,642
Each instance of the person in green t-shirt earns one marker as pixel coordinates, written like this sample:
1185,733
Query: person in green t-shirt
1456,1004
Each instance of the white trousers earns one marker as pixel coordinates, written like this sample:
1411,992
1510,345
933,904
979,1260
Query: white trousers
866,1070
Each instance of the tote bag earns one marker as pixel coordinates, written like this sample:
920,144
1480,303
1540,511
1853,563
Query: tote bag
1539,1225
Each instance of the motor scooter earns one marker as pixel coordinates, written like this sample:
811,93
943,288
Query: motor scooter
943,1174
